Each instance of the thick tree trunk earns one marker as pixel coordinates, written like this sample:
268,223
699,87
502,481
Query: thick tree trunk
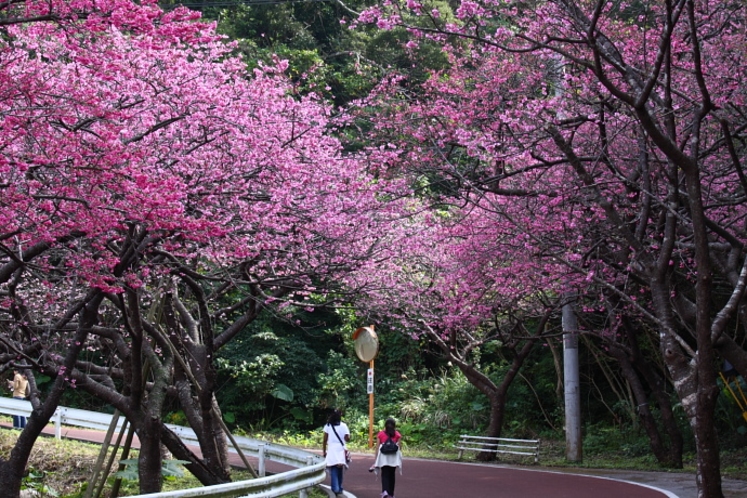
703,420
150,459
13,469
497,408
201,412
149,424
698,401
221,439
495,424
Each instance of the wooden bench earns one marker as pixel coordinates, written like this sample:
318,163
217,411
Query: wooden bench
526,447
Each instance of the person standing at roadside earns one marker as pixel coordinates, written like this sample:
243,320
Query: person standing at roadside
18,387
336,434
388,457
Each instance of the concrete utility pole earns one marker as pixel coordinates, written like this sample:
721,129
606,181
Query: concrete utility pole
573,446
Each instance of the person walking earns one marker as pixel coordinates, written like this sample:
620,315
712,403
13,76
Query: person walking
18,387
388,457
336,434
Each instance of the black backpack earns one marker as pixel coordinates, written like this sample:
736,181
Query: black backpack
389,447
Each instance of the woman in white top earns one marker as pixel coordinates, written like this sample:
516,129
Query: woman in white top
336,434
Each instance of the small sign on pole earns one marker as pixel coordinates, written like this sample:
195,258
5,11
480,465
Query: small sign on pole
370,381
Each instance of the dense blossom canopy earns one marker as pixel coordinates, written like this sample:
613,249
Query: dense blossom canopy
133,123
542,136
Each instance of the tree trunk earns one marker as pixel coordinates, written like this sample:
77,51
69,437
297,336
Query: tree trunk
706,439
149,428
639,374
668,420
495,424
497,394
665,454
150,460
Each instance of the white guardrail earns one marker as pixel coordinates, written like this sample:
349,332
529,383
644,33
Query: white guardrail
309,468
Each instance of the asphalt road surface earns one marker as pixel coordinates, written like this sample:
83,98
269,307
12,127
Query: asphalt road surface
436,479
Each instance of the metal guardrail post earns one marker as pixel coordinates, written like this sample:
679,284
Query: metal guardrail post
58,424
304,493
261,458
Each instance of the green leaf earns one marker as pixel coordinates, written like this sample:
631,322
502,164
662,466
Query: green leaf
282,392
169,469
301,414
129,472
172,468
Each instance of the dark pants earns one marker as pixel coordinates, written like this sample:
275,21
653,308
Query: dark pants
19,421
387,479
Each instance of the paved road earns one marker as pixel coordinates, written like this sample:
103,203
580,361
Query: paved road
436,479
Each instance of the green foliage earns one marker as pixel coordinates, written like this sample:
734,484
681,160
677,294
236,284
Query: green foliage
602,439
341,385
387,49
267,25
254,376
324,56
36,480
432,409
269,376
170,469
177,418
282,392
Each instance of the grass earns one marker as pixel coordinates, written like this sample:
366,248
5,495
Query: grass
62,466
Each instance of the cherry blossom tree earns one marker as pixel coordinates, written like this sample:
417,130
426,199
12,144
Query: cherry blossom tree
608,136
454,285
155,199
